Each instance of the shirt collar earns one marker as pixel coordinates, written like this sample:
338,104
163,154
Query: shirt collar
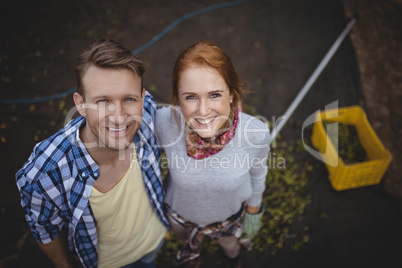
85,164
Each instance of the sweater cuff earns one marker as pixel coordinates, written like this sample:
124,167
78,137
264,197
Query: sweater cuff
254,201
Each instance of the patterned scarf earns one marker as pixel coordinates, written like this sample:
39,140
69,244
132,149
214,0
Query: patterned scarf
199,148
191,248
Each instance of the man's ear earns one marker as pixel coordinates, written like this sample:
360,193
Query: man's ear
80,104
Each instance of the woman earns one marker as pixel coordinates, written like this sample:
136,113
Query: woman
217,154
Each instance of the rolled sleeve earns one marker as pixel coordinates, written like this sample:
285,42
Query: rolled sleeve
41,215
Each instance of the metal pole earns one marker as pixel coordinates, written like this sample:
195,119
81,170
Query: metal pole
312,78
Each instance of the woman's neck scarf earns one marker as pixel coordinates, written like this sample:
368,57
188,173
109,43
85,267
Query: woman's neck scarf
199,148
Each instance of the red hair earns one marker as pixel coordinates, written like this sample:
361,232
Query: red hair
209,54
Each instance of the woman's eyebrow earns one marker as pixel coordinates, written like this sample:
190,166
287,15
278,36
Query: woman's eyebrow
209,92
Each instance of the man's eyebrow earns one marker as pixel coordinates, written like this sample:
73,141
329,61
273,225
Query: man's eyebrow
133,95
125,96
102,97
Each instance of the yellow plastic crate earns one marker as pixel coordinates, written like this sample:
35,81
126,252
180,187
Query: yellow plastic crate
346,176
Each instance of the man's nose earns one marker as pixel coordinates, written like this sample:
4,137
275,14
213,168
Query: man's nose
116,114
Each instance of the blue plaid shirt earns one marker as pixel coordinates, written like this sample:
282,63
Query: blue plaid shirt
56,182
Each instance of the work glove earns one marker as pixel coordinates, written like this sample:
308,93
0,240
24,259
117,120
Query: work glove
252,223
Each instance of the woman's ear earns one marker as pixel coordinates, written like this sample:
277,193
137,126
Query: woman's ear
79,103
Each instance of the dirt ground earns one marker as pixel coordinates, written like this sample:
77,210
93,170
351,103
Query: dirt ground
40,41
377,38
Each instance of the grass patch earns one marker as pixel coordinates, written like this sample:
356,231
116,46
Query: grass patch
345,139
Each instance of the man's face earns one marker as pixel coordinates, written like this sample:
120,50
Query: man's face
112,106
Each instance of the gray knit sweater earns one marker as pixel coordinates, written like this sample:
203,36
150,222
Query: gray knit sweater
212,189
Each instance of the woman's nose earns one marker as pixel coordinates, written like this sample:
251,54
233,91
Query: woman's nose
203,108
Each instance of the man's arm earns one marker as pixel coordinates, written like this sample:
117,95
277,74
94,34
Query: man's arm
57,252
41,216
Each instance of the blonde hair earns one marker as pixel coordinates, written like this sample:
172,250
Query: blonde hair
107,54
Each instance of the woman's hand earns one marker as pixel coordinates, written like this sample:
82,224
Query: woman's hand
252,210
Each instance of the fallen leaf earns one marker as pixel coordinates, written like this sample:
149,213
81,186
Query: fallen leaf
153,87
61,105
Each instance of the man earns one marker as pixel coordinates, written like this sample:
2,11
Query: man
93,189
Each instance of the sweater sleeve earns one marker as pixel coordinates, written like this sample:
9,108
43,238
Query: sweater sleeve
160,121
259,170
165,119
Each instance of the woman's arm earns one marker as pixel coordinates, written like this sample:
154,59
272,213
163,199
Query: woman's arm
258,170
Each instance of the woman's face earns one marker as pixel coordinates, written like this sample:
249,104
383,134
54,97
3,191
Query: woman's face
204,99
